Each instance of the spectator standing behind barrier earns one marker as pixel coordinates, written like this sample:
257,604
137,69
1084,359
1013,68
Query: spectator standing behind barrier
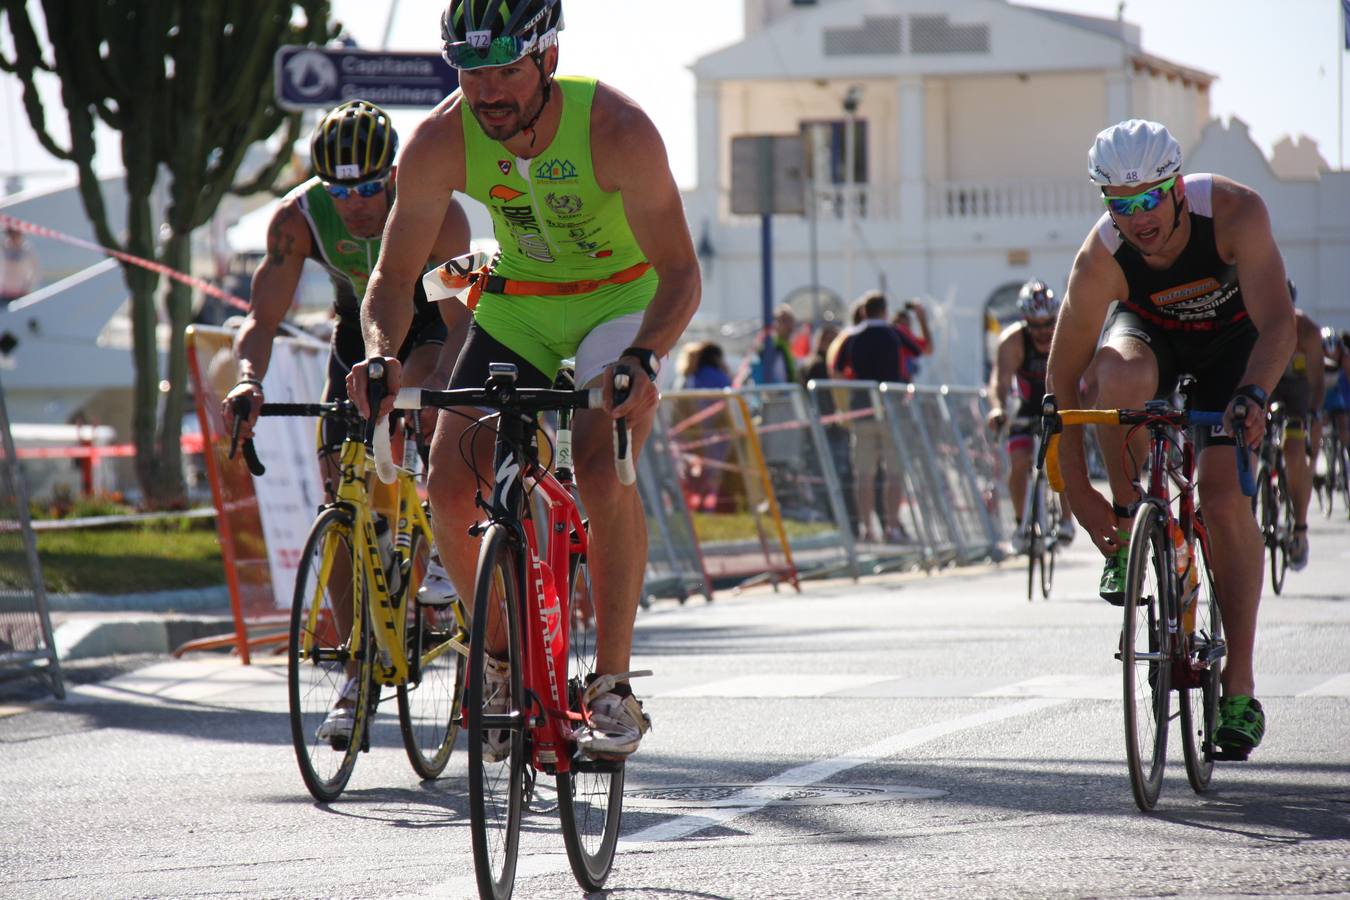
782,367
18,267
817,368
702,366
871,351
914,345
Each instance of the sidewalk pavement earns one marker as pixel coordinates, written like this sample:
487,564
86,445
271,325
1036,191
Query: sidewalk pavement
85,626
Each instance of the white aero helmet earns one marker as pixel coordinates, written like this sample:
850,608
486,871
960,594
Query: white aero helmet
1136,151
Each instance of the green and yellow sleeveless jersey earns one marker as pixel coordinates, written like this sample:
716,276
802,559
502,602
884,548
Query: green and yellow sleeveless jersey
553,223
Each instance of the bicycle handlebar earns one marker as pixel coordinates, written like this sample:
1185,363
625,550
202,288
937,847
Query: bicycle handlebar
506,397
1054,419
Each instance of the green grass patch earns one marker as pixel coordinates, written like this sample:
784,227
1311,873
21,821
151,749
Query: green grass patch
713,527
165,555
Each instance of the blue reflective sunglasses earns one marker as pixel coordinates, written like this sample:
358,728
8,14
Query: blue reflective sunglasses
365,189
1143,201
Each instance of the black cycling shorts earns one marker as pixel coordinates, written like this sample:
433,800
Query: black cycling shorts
480,349
348,348
1294,393
1217,360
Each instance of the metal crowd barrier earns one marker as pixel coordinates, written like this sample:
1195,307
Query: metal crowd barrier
804,475
25,625
885,498
725,479
674,560
969,410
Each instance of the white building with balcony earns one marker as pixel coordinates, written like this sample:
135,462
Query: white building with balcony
961,171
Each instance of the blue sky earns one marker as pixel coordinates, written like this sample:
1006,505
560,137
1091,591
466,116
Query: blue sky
1276,60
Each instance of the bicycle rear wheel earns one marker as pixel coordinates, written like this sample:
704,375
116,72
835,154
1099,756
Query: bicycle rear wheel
590,795
429,703
1198,702
321,658
1144,653
496,723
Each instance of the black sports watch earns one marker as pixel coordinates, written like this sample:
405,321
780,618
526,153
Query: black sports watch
1254,393
650,362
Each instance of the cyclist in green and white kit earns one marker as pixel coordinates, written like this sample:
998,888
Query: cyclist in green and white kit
336,219
596,262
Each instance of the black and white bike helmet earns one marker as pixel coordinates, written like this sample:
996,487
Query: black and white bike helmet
1037,301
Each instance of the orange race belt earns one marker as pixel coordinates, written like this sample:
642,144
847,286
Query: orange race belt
478,281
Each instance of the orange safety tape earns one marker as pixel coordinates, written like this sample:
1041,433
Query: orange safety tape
203,286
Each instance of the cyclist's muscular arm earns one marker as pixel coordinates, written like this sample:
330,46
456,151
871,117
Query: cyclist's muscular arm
451,242
425,188
273,290
630,157
1246,235
1095,281
1009,357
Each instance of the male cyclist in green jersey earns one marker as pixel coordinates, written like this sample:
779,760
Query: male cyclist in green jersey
336,218
576,179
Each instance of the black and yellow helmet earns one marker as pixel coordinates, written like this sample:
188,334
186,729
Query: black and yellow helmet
353,143
482,33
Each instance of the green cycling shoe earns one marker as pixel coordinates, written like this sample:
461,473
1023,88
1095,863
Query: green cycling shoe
1242,723
1112,586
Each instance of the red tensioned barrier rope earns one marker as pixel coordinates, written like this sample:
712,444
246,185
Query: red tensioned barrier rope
205,287
191,443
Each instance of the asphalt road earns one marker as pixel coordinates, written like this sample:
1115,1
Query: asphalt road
907,736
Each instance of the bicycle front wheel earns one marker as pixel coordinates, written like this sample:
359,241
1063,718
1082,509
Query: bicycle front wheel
1198,701
323,656
1284,532
1035,535
496,722
1050,516
590,795
429,703
1144,653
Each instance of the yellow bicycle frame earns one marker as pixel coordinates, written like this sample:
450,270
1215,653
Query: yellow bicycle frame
388,614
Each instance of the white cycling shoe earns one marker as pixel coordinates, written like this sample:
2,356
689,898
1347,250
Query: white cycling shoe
617,723
437,589
1066,532
497,687
337,727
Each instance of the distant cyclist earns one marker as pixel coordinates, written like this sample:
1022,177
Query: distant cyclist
1202,289
1019,370
596,262
1300,392
1336,399
336,218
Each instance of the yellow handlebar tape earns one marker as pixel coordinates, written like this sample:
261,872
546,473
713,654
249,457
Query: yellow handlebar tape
1073,417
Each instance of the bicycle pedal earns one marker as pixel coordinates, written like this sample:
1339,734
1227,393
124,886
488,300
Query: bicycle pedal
1227,754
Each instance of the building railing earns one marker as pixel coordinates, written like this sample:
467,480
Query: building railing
1038,197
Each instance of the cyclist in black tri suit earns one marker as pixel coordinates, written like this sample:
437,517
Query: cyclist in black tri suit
1299,392
1023,355
1202,290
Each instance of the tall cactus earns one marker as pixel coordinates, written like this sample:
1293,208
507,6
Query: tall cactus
189,85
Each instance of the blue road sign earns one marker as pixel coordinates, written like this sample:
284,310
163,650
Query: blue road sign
323,77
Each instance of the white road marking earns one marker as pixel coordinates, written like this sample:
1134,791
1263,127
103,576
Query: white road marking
1327,686
827,768
675,829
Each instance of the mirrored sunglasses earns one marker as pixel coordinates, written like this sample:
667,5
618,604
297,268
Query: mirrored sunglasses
364,189
500,51
1144,201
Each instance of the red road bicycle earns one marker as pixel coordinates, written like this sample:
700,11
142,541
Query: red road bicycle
532,603
1173,631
